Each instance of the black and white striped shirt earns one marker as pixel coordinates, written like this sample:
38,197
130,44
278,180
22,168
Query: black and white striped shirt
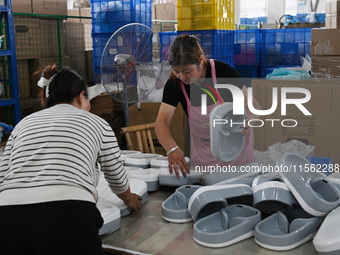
52,155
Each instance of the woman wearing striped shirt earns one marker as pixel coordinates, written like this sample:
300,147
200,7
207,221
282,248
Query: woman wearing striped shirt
49,173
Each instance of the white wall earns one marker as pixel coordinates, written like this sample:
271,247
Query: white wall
252,8
275,9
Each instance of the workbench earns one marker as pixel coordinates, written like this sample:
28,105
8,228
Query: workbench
147,232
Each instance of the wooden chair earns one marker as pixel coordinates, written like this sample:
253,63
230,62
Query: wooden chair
143,136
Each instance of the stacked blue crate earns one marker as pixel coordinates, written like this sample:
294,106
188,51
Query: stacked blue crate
166,38
253,21
110,15
216,44
248,52
284,46
320,17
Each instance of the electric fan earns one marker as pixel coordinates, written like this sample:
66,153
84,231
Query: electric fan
131,64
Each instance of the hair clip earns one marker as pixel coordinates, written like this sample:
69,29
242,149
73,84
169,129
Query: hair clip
43,82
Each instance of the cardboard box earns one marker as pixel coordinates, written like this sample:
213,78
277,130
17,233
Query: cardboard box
39,64
73,12
23,79
317,130
326,67
148,113
49,32
27,35
22,6
332,22
85,12
166,11
50,7
88,37
325,42
89,67
75,41
334,7
104,104
153,11
77,63
29,106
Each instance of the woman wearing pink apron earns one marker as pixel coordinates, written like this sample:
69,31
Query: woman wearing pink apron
187,60
200,154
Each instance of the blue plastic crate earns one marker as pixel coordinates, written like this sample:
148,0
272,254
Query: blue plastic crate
166,38
322,163
108,16
253,21
320,17
247,47
284,46
99,42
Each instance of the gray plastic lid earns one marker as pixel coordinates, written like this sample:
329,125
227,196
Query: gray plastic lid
142,159
210,199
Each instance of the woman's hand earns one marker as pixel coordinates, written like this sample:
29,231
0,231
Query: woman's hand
131,200
178,163
134,202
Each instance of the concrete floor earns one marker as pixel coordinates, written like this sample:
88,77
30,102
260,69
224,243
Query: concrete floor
147,232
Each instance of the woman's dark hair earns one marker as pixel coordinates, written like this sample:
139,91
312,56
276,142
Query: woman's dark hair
65,85
185,50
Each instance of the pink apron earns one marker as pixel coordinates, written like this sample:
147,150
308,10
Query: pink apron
200,154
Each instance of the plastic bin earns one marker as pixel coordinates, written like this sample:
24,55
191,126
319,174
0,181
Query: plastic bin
205,15
108,16
247,47
166,38
284,46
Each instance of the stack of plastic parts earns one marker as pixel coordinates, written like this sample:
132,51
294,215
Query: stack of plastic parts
127,153
327,240
175,208
232,172
286,229
226,140
271,193
107,197
314,192
140,160
162,162
167,179
246,178
111,217
149,175
131,168
231,224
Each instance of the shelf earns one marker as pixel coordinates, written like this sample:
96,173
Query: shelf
3,9
4,102
5,52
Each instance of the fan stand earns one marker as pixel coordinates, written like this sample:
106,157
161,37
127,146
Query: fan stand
126,104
